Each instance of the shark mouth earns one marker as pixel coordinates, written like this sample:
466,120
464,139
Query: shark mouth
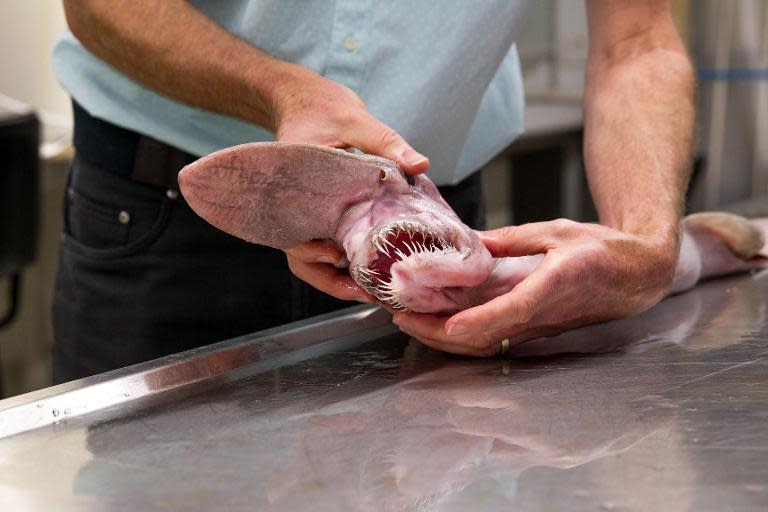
398,241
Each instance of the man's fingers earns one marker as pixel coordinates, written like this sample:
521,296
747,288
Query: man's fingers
528,239
455,348
428,326
460,349
502,314
430,330
372,136
329,280
514,241
318,251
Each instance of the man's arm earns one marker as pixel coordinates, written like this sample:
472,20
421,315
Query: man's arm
171,47
639,113
638,108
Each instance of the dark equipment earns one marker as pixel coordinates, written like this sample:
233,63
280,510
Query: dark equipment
19,169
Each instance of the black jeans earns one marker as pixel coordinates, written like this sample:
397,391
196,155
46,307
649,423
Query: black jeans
142,276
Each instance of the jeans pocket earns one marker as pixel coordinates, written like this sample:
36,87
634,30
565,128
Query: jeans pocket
105,218
94,224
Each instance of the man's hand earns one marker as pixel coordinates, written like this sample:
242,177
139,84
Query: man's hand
638,127
590,274
312,109
309,108
321,264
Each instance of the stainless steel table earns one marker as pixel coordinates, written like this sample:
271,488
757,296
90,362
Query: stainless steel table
667,411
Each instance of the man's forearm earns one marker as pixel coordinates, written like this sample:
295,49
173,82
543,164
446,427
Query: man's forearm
639,117
175,49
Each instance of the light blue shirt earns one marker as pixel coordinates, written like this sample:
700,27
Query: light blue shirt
444,74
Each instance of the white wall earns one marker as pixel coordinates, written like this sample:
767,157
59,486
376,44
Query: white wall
28,32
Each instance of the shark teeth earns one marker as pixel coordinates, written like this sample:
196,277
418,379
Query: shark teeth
363,275
382,290
385,293
439,242
432,242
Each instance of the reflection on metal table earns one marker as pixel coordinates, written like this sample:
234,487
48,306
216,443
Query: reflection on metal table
664,411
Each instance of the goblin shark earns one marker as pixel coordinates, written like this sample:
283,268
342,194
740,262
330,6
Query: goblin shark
404,244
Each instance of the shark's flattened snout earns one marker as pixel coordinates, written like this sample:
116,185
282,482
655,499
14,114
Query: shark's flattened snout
278,194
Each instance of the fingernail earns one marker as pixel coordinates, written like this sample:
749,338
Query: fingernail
457,330
325,259
342,263
413,158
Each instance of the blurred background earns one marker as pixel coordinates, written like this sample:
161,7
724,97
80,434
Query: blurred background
539,177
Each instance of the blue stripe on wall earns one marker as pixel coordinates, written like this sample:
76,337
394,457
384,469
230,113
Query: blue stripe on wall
713,74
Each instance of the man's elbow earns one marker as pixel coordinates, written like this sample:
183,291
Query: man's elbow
672,66
74,12
658,51
83,21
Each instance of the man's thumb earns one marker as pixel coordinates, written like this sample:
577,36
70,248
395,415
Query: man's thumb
376,138
524,240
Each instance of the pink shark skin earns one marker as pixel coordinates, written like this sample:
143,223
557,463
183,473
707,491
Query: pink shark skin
404,244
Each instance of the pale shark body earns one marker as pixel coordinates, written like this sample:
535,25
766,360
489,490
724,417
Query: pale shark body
404,244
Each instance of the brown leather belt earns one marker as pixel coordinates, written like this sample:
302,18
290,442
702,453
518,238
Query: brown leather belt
158,164
126,153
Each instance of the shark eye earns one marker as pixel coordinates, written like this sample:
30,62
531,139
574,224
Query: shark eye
382,174
411,180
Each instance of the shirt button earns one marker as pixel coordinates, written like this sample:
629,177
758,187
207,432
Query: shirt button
124,217
350,43
171,194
